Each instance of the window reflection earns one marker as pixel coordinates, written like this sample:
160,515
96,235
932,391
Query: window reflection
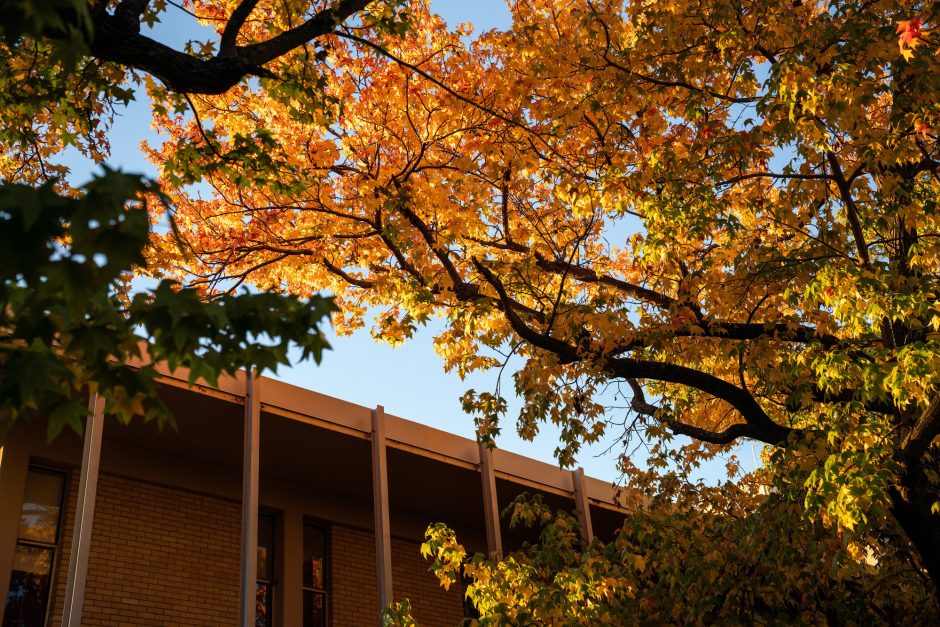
314,609
39,517
266,547
264,591
34,557
29,587
263,605
314,576
314,550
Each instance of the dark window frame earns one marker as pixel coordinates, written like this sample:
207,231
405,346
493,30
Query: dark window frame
327,591
271,583
53,547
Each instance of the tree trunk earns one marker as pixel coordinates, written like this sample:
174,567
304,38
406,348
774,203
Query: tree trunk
910,505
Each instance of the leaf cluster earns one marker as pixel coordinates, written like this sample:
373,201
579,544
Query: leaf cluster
66,332
671,566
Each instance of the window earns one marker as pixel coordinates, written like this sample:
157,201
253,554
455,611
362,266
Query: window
36,543
315,595
264,592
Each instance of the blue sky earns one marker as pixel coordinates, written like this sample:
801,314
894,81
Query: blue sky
409,380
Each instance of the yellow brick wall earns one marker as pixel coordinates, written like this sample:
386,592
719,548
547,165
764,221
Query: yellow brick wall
158,557
161,556
431,605
355,597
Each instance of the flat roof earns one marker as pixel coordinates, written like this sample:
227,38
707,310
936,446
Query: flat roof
301,404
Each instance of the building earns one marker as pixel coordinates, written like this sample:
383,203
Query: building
328,500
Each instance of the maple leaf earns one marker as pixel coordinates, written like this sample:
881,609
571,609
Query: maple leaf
910,36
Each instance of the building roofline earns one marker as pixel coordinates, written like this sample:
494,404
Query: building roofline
298,403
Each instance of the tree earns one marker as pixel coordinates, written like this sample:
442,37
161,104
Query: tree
67,63
67,323
68,330
727,207
762,564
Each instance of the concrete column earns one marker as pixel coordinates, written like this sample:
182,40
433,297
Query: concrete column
383,540
494,540
290,610
582,504
250,468
84,515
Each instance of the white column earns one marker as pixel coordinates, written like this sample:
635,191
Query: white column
84,514
582,504
383,540
250,467
494,540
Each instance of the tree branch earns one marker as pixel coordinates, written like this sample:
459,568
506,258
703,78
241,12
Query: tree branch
129,12
729,435
323,23
460,286
639,402
586,275
234,26
851,211
117,41
363,283
640,405
758,425
710,328
564,351
923,433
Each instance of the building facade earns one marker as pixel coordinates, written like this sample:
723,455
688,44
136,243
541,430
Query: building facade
268,505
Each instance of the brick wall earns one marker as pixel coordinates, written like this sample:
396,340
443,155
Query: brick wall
161,556
355,597
430,604
158,557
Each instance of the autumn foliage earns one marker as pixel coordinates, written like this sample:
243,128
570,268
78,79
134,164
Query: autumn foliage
727,210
